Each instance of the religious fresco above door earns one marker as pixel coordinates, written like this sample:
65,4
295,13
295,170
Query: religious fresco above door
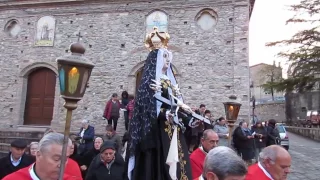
158,19
45,31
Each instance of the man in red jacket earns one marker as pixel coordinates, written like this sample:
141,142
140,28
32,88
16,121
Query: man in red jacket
209,141
111,111
274,164
47,165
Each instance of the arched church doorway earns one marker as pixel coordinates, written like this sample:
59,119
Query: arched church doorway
40,97
138,77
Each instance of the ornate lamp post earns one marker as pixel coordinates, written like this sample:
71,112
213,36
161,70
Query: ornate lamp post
74,72
232,110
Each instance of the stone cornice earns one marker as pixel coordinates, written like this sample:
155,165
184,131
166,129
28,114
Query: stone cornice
25,4
13,4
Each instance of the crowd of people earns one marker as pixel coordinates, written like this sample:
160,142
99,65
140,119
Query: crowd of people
165,139
209,162
93,157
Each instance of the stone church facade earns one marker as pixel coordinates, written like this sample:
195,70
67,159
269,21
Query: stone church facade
209,41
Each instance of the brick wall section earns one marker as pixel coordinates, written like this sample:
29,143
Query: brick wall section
212,77
307,101
271,111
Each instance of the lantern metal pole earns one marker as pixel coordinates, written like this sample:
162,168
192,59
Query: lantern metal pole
230,125
76,64
70,105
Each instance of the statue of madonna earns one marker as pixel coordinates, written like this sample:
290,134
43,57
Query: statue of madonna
157,149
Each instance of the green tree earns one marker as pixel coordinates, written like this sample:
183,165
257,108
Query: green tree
304,60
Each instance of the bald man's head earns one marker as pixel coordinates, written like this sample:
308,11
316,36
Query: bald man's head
276,160
273,152
209,132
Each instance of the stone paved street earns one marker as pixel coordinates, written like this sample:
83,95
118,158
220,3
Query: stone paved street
305,158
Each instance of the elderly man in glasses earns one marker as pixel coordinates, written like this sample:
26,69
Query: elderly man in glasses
209,141
274,164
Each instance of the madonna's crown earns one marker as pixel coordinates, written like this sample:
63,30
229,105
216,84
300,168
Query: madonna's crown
157,40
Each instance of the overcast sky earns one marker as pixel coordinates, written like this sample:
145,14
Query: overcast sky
268,24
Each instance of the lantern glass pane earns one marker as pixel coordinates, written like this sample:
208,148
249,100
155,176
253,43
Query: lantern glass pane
231,108
84,81
230,112
73,77
62,80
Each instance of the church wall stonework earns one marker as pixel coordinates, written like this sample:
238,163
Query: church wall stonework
211,65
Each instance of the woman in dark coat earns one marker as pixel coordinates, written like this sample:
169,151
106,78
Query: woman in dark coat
87,158
235,140
260,136
273,136
244,142
124,103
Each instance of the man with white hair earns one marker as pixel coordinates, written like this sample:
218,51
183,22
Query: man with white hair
274,164
48,159
86,136
222,163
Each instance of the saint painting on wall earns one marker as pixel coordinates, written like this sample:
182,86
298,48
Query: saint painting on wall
45,31
157,19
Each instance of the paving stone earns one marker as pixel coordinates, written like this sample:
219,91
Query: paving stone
305,158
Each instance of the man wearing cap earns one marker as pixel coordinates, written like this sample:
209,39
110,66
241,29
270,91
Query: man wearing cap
107,165
16,159
111,112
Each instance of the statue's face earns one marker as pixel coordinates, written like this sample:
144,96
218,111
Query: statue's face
166,60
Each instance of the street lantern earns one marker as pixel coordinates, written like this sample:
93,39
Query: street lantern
232,109
74,73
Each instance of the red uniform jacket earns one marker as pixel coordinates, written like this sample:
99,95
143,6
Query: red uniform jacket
199,178
73,169
23,174
196,160
256,173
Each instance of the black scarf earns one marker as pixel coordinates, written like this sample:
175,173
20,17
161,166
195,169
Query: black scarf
145,111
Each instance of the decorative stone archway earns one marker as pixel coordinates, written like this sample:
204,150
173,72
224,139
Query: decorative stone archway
23,82
140,65
131,83
136,73
28,69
